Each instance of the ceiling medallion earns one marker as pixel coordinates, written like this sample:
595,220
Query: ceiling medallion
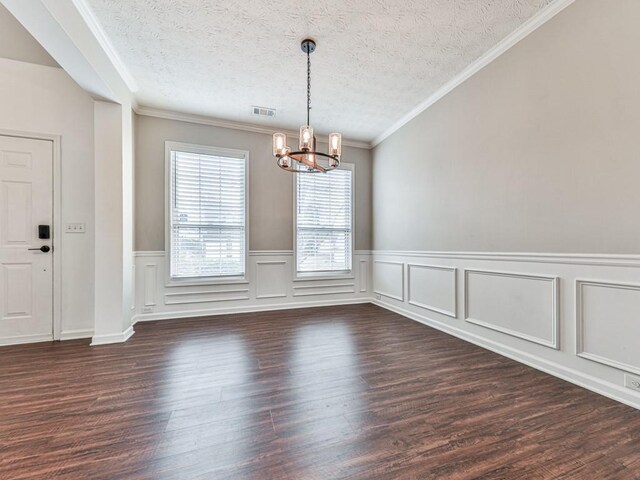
306,159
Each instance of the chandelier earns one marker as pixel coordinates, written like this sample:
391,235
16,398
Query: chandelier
306,159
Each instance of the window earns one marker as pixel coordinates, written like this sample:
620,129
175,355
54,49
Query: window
207,215
324,219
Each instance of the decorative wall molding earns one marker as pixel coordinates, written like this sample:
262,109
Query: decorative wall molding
218,122
520,309
252,253
382,283
209,296
508,42
246,308
610,260
324,289
270,275
270,278
546,271
539,362
453,312
149,253
529,300
150,279
364,275
626,341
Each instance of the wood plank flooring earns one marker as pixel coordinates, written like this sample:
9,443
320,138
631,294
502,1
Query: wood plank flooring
353,392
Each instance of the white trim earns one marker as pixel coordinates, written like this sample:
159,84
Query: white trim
252,253
101,37
489,56
211,312
452,314
76,334
149,253
242,155
389,295
205,292
209,300
56,236
329,292
363,278
318,277
580,352
602,387
21,339
608,260
304,287
112,338
218,122
555,307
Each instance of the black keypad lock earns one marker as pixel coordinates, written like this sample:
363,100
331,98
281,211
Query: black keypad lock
44,232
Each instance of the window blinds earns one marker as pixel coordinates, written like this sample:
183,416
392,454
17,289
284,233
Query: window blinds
323,221
207,215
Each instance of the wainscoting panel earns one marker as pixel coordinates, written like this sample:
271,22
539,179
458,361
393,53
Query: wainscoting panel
388,279
608,323
364,275
433,287
525,306
272,278
270,285
150,284
206,296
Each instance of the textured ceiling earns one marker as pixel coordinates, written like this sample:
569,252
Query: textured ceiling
375,61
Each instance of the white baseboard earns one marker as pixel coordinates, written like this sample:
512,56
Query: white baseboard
581,379
148,317
76,334
21,339
112,338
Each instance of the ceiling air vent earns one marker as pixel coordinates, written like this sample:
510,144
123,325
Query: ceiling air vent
263,111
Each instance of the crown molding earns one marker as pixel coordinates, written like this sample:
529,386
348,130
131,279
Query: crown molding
501,47
98,32
218,122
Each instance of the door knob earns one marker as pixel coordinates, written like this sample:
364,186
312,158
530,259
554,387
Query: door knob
43,249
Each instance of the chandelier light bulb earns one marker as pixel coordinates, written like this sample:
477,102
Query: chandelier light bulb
335,144
306,137
279,144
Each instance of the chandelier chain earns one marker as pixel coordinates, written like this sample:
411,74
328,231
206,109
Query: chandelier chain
308,84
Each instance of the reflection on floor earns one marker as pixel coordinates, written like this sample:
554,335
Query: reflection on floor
353,392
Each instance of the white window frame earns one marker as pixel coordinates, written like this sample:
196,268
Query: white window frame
348,274
243,155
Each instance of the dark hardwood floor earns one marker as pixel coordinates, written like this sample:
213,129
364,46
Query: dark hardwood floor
352,392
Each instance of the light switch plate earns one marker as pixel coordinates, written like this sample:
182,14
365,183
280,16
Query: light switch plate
632,382
74,227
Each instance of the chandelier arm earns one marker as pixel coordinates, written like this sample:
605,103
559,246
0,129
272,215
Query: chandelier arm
300,157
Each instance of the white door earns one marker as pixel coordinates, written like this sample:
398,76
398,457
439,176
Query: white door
26,272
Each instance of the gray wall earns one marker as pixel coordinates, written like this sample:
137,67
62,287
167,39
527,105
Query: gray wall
270,189
538,152
16,43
